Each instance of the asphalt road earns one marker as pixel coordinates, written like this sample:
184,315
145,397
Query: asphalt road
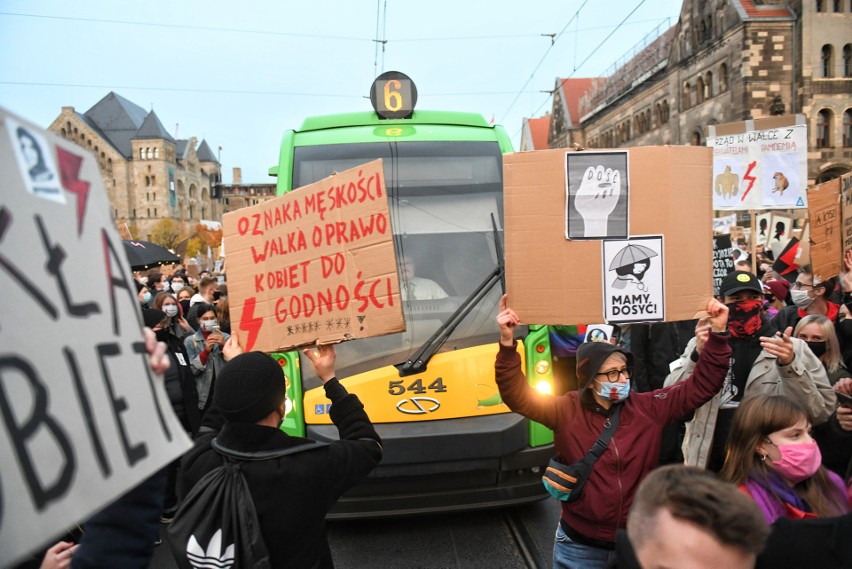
513,538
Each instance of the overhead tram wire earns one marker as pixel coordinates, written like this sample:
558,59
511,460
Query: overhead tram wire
553,41
178,89
186,27
593,52
286,34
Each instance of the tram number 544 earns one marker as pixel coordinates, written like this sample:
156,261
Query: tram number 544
396,387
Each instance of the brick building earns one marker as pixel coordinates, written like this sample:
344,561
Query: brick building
238,195
724,61
148,174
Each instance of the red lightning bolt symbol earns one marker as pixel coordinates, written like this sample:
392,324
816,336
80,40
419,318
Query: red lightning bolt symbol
751,179
250,324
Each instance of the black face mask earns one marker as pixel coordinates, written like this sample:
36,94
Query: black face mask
818,348
162,335
185,305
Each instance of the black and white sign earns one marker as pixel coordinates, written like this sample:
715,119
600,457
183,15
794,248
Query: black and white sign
723,260
82,417
634,279
598,191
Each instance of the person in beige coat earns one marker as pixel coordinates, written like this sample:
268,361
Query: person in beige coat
762,362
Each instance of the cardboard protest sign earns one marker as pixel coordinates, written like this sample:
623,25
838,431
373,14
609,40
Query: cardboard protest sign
316,265
723,224
551,280
824,225
634,281
780,232
83,417
762,228
846,210
760,164
723,260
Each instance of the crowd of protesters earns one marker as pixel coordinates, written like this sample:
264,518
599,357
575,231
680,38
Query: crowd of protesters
758,383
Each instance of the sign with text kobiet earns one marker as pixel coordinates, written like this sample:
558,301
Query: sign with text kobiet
315,265
84,419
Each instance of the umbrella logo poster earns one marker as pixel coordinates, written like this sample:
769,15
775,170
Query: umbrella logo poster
633,279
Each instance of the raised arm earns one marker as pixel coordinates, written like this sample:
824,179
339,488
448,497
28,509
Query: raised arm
511,381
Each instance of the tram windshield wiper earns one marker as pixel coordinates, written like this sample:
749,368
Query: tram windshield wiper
418,362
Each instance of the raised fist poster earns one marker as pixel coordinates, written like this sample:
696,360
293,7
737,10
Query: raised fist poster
598,192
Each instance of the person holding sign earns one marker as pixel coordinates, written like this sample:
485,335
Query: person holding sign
762,362
204,349
586,533
292,493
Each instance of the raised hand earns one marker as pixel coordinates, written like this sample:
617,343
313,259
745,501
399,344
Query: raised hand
323,359
718,315
507,320
232,347
780,345
596,198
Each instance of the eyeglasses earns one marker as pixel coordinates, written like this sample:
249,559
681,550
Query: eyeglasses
798,286
614,375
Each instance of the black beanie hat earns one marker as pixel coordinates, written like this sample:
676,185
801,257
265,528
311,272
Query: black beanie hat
151,316
590,357
249,387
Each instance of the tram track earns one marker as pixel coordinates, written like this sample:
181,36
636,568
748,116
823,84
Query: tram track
527,548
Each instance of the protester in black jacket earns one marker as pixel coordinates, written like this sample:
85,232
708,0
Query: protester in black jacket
292,493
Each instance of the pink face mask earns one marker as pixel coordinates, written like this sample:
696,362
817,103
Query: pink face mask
798,461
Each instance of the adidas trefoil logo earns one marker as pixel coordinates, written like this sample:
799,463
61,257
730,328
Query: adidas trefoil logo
214,557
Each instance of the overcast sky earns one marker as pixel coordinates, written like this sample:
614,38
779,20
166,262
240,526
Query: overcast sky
241,73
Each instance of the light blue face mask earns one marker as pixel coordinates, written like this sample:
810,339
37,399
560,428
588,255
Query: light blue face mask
614,391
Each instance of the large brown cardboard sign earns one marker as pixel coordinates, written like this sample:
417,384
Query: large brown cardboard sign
316,265
846,210
551,280
824,221
83,419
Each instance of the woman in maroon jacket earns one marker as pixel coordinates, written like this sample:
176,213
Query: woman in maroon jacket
586,533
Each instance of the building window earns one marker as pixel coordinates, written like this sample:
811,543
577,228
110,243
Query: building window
819,5
823,134
723,78
155,212
665,111
156,153
847,60
827,57
847,128
686,98
708,84
696,138
141,154
699,90
838,5
153,180
149,212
